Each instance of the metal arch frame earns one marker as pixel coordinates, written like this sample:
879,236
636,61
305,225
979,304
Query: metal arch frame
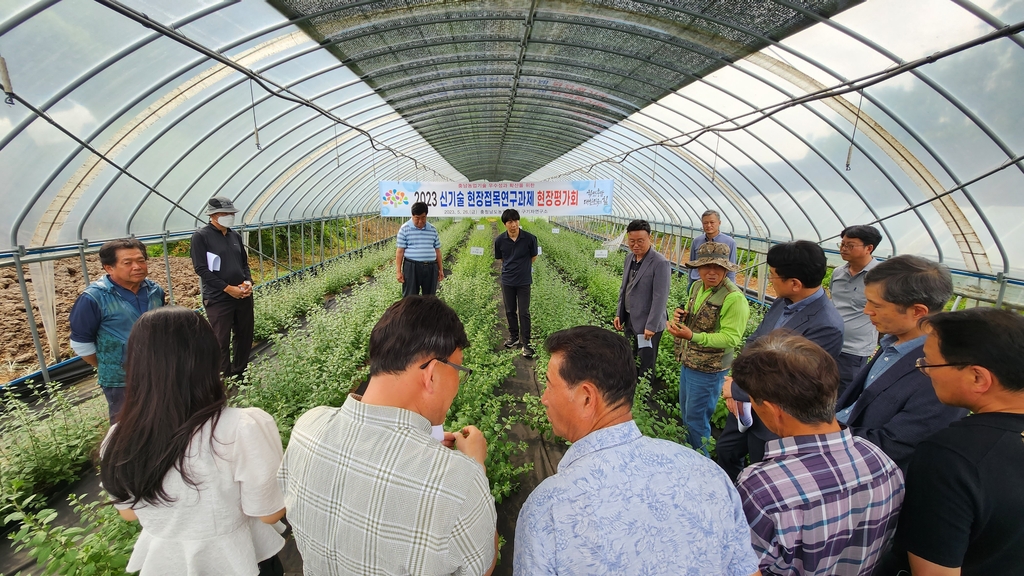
804,141
817,151
545,140
531,99
74,85
196,105
683,206
196,108
328,195
770,42
961,108
544,127
545,124
431,115
433,77
268,164
681,168
542,59
994,236
575,131
913,134
210,133
485,86
228,150
707,184
749,225
438,116
352,162
142,95
164,81
671,171
354,157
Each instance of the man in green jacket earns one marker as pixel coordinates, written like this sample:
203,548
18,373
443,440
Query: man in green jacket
708,328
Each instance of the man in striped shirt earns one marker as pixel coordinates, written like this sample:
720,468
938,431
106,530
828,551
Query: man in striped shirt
418,258
823,501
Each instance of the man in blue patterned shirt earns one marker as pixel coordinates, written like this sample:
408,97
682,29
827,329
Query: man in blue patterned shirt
823,501
622,503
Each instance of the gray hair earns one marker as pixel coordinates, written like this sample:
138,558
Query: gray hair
711,213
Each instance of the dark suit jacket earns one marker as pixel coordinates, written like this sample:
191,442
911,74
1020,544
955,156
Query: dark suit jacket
819,322
648,300
898,410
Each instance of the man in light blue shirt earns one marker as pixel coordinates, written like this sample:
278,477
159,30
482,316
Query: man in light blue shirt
712,222
622,503
418,257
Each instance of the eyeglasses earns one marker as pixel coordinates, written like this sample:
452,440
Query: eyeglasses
923,365
849,245
464,373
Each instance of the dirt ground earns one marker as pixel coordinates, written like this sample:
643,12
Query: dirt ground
18,356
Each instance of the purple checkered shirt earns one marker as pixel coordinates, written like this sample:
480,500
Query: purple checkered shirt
821,504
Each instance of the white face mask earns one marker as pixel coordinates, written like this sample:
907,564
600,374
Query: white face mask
227,220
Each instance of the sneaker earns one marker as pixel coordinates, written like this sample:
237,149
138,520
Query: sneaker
511,343
528,352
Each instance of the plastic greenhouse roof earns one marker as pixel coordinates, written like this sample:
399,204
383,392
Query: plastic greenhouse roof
791,118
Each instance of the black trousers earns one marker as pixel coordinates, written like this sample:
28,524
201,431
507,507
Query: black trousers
419,276
227,317
733,447
517,311
647,356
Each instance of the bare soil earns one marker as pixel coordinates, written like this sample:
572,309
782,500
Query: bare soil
18,356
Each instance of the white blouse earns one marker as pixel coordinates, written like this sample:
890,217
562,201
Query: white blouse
216,529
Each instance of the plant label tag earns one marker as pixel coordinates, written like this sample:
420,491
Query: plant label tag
476,250
554,230
600,253
539,251
479,226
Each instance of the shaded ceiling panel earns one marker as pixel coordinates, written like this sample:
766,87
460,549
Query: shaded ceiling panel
488,68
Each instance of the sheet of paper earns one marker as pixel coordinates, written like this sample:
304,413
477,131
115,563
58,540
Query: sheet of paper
213,262
642,342
437,433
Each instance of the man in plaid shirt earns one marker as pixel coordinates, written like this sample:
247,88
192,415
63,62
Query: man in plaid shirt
368,489
822,501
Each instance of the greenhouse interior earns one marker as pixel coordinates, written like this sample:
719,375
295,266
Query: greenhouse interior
319,128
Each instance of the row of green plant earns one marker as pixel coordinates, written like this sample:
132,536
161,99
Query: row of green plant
278,305
46,443
573,258
573,255
471,291
52,443
557,305
319,364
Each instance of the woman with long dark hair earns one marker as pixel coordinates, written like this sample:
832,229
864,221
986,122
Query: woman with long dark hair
199,476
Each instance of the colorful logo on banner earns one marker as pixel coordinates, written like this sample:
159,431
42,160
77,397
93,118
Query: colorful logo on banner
475,199
394,198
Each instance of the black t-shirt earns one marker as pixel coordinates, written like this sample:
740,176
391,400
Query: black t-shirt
964,505
516,257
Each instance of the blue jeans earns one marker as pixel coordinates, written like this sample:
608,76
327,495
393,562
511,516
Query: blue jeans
698,395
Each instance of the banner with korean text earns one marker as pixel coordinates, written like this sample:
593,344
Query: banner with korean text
531,199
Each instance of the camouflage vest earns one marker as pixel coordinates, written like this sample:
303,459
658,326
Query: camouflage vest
702,358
